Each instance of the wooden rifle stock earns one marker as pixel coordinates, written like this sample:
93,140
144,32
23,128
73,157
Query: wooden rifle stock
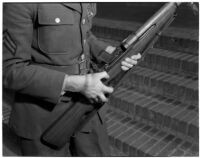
82,111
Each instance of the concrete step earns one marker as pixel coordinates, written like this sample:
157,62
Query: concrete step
168,85
161,112
176,39
134,138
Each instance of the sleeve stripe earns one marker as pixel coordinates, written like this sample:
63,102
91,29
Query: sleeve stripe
8,46
9,40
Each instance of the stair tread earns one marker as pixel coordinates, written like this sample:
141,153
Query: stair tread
174,55
171,53
146,71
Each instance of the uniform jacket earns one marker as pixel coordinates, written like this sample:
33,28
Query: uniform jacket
41,43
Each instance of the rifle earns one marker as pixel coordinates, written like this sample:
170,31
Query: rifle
82,111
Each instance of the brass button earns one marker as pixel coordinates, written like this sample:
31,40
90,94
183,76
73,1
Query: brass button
84,41
82,56
57,20
83,21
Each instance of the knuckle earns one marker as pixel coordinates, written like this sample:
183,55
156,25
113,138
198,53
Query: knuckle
130,65
127,59
135,62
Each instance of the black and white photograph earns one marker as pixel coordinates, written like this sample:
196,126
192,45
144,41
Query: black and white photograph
100,79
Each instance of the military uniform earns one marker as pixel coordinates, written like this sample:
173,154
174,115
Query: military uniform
41,43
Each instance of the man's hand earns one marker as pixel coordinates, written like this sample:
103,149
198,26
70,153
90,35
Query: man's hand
90,85
94,88
128,62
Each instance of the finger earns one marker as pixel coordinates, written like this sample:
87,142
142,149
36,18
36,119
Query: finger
126,64
136,57
124,68
131,61
103,74
91,96
103,98
107,89
92,101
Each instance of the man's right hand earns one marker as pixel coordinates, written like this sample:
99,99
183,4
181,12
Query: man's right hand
90,85
94,88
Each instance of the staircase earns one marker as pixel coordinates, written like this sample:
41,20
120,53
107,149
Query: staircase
154,112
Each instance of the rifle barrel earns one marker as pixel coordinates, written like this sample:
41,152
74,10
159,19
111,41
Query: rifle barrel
165,12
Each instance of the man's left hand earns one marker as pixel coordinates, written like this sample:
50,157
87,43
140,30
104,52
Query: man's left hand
129,62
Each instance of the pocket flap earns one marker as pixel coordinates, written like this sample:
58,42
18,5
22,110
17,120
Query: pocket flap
54,14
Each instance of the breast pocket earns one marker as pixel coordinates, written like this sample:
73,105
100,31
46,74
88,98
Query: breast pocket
55,28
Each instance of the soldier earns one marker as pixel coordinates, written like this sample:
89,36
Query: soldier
47,49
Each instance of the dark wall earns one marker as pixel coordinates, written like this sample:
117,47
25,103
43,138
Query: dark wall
140,12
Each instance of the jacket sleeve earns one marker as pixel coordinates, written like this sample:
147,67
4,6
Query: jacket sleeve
18,72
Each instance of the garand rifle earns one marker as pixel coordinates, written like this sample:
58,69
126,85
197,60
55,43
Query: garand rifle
82,111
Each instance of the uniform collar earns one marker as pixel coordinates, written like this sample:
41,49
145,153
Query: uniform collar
75,6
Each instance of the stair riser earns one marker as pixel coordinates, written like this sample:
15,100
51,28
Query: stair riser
134,138
170,65
129,150
178,44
